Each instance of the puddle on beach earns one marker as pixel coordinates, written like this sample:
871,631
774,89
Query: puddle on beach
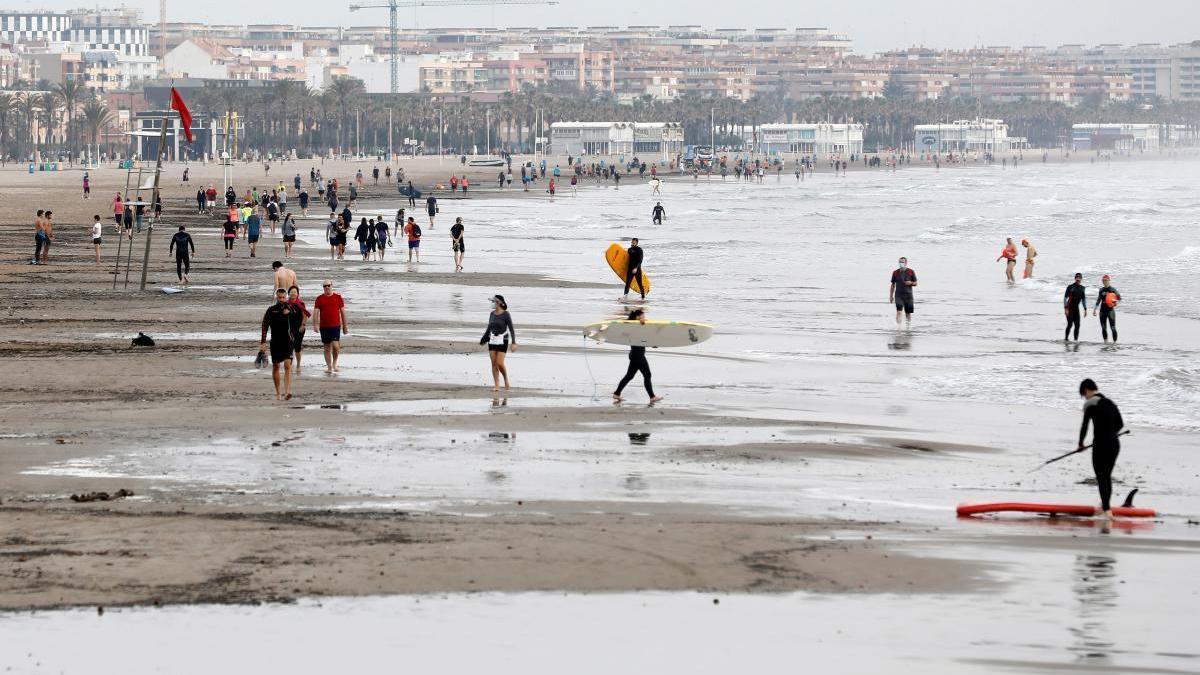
1070,611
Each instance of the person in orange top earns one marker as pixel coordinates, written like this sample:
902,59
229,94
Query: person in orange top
1009,254
413,231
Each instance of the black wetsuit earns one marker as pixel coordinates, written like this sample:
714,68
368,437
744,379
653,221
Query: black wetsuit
634,270
658,214
1106,424
1108,315
278,318
184,248
637,363
1075,295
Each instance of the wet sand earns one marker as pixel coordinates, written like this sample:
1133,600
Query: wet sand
76,389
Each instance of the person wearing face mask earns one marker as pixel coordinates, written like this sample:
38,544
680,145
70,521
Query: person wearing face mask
901,290
499,336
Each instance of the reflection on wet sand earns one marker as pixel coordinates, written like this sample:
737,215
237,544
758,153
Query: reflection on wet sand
1095,588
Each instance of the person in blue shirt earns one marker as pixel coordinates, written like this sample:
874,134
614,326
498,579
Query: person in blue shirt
253,232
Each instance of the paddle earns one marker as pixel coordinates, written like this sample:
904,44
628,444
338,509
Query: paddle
1073,452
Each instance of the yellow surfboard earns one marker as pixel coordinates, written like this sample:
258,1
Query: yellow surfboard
618,260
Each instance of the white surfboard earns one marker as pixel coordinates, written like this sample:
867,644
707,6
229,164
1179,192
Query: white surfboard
649,334
171,291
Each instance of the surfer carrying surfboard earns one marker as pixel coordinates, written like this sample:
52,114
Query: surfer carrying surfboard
637,364
1106,445
633,269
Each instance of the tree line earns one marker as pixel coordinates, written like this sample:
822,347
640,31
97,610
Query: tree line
287,115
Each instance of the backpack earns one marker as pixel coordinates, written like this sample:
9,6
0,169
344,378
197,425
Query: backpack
416,231
142,340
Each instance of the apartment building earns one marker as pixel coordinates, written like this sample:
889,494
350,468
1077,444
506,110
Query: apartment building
1168,72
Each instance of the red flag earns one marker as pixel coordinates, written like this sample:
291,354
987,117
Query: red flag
185,116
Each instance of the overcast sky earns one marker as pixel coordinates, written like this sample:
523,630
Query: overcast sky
874,25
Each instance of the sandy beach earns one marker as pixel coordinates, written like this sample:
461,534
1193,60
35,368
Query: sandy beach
813,447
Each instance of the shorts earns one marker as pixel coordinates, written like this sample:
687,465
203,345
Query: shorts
280,351
341,240
414,243
331,335
289,238
383,242
459,246
333,241
499,348
97,241
273,217
905,304
252,238
211,203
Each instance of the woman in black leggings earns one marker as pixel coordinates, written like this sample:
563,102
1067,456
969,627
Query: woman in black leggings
637,363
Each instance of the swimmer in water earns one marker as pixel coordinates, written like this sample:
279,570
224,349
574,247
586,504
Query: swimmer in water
1009,255
1030,254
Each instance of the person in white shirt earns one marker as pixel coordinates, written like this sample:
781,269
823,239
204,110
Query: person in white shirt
97,231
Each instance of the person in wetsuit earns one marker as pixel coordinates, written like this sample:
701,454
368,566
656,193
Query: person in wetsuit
1106,423
184,248
1106,305
1073,298
658,213
637,364
633,268
278,321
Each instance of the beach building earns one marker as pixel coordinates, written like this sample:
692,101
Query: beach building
978,135
663,139
823,139
1116,137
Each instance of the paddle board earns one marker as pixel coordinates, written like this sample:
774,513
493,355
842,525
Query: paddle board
618,260
649,334
1053,509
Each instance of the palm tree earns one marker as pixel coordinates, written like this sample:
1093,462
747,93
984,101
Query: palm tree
344,91
96,116
70,91
8,109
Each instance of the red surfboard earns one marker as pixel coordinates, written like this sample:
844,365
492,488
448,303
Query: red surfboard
1053,509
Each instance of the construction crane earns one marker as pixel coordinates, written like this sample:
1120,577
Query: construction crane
393,7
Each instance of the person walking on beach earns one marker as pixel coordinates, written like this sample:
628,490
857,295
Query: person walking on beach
412,195
253,233
329,313
1106,422
658,213
1030,254
200,201
289,234
431,208
210,199
299,317
229,235
41,239
1074,297
97,236
499,336
277,320
633,269
361,234
283,277
184,248
637,364
87,185
457,244
904,279
381,236
1106,302
413,231
1009,255
119,209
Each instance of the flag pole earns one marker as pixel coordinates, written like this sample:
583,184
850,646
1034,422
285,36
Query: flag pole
162,147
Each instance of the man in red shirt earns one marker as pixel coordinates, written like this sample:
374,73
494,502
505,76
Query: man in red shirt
413,230
329,313
210,198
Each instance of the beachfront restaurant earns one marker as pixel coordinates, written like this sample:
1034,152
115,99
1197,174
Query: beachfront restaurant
961,136
647,139
1116,137
821,139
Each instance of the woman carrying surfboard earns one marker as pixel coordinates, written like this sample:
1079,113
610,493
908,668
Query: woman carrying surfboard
499,336
637,364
